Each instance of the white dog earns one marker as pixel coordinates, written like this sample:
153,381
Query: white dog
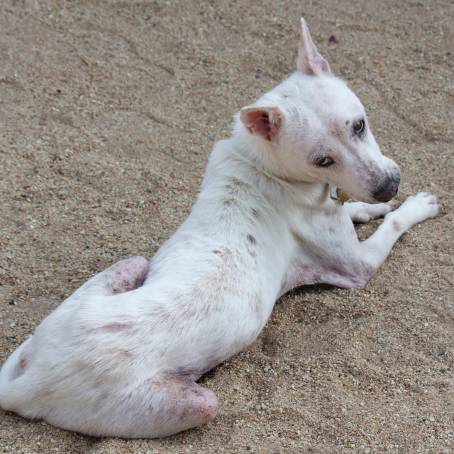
122,355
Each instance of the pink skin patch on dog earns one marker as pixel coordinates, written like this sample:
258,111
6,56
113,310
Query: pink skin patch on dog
116,327
19,368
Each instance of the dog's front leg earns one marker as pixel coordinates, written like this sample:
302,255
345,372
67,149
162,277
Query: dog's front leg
364,212
344,261
374,250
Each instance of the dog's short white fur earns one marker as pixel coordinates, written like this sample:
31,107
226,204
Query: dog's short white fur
121,356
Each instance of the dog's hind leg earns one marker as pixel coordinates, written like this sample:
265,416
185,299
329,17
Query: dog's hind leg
125,275
364,212
180,404
151,409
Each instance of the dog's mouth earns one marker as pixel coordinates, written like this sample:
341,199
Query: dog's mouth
381,192
340,196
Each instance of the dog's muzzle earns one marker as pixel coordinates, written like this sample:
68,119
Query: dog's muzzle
388,189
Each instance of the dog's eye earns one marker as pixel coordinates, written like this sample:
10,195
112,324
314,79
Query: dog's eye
324,161
359,127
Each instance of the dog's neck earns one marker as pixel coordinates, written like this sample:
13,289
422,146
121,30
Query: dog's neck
242,160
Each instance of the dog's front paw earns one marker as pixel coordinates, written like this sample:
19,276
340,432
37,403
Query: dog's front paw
423,203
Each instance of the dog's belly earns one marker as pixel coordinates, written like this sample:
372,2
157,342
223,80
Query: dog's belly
207,340
300,273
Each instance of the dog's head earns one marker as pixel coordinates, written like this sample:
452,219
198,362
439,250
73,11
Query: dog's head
312,127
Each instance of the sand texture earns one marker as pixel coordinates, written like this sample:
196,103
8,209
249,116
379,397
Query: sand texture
108,112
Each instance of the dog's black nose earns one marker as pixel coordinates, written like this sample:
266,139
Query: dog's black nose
388,189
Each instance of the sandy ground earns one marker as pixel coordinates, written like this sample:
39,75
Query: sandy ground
108,111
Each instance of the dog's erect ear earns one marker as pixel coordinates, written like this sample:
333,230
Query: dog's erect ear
263,121
310,61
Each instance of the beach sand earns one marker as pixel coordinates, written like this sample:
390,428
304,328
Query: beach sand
108,112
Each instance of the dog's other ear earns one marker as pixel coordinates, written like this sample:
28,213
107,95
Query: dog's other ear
263,121
309,60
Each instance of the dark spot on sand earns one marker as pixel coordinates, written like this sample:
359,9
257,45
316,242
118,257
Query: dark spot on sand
270,343
251,238
217,251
